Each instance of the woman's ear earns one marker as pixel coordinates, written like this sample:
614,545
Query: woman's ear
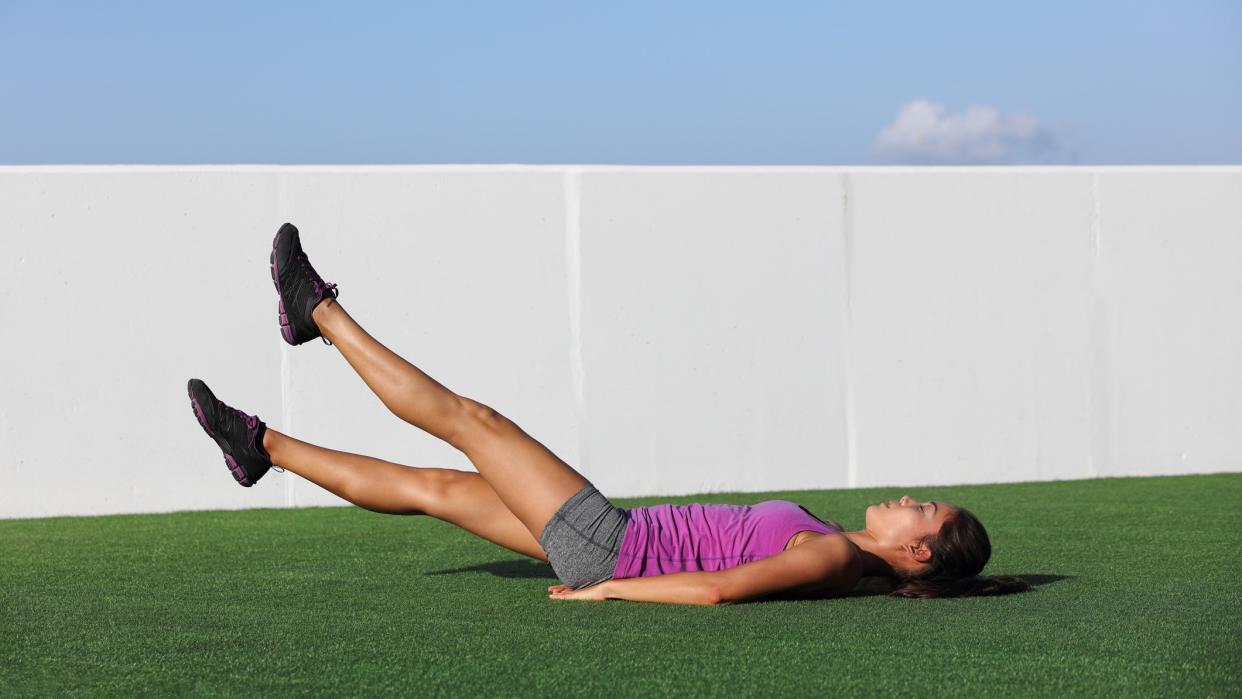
919,551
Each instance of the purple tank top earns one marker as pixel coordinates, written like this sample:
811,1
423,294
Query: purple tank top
665,539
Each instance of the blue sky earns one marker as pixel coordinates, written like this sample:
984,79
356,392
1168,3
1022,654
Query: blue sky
658,83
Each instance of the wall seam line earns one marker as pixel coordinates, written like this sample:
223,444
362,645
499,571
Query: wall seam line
1096,330
286,368
573,266
847,235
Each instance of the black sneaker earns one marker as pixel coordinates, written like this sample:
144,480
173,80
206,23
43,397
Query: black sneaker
239,436
300,287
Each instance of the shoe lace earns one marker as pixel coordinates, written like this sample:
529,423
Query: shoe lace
317,282
251,421
319,285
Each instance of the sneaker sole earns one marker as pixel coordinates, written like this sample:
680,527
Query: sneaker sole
286,330
239,474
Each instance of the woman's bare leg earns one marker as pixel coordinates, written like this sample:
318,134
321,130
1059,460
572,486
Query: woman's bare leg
531,481
458,497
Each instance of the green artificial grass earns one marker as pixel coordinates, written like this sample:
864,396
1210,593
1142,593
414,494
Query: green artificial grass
1136,593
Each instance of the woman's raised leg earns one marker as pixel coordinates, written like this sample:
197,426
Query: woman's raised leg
531,481
458,497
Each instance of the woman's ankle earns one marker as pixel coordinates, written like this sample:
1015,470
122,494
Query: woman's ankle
271,442
323,310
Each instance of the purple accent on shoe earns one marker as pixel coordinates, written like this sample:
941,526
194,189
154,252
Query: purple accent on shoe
202,418
286,331
238,473
285,328
256,441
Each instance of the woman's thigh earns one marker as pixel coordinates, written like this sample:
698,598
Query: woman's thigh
531,481
464,498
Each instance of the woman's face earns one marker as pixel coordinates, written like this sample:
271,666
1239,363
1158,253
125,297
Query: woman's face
902,523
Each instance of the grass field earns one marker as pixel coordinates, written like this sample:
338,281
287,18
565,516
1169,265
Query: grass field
1137,593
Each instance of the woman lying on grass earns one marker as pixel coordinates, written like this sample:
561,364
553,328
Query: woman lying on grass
526,499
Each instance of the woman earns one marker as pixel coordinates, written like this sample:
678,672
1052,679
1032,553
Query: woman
527,500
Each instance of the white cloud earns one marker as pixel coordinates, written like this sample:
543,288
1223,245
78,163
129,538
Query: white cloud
924,132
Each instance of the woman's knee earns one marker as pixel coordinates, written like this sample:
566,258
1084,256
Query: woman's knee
478,411
441,491
476,421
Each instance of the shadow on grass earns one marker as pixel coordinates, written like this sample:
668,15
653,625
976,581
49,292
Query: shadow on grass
872,586
868,587
877,587
513,568
1039,579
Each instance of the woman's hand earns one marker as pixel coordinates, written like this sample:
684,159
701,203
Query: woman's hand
594,592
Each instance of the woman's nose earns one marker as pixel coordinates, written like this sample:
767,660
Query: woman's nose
905,499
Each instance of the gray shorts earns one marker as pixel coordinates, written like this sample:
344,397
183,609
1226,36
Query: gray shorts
583,538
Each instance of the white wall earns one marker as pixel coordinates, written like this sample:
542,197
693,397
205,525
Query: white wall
666,330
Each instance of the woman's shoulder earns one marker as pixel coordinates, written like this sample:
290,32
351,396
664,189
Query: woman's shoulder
834,562
846,563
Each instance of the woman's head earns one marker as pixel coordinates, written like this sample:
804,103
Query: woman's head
935,549
903,527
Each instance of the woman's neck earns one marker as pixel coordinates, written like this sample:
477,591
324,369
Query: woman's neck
873,562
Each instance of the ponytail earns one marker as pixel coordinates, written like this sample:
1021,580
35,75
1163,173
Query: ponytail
959,552
974,586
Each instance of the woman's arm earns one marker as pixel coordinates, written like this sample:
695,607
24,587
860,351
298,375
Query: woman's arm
828,563
674,588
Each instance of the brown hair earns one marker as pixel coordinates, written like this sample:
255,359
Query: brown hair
959,552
